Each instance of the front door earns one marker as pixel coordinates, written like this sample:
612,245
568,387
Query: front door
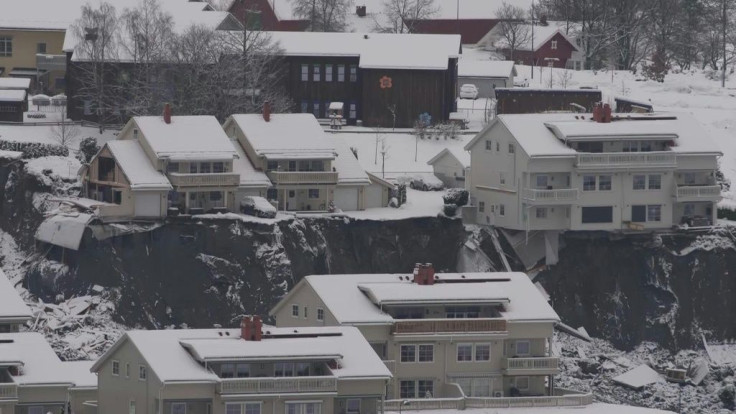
291,200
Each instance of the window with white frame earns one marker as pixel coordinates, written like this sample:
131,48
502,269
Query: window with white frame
640,182
522,347
541,212
307,407
498,146
6,46
481,206
589,183
604,182
283,369
316,73
242,370
116,368
353,110
489,145
341,73
407,389
475,387
512,149
417,353
320,314
227,370
502,178
178,408
353,73
306,312
408,353
305,73
295,310
131,407
654,212
553,45
142,373
127,370
328,73
464,352
655,182
482,352
243,408
425,389
501,210
426,353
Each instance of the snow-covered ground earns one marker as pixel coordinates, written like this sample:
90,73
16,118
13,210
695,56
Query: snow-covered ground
596,408
45,134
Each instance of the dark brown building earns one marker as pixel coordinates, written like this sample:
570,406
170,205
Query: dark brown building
12,105
534,101
382,79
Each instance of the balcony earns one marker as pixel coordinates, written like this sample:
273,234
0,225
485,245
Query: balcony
454,326
204,180
623,160
698,193
532,366
8,392
302,177
50,62
547,197
279,385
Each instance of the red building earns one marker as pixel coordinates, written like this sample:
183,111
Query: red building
551,47
471,31
267,15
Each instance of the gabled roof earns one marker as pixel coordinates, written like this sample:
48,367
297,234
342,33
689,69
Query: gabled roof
40,365
378,180
356,299
12,307
460,156
349,171
542,35
285,136
167,352
375,50
137,166
191,137
500,69
250,177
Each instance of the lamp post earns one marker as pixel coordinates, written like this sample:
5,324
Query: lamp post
549,60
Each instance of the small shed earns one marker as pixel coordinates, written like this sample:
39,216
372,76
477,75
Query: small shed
625,106
12,105
486,75
451,166
378,193
335,113
23,84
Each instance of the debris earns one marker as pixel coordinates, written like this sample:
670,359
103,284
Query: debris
698,371
638,377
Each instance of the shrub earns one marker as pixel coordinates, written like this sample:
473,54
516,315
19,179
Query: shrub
87,149
450,209
457,196
34,149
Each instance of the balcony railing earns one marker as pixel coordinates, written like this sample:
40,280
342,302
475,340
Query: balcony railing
303,177
50,62
204,180
569,400
532,363
8,391
702,192
429,326
277,385
550,196
424,404
627,160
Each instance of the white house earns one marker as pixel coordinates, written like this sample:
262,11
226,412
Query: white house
486,75
485,336
565,171
257,369
309,170
13,311
451,166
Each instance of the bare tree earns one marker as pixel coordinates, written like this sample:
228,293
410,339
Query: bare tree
513,31
400,16
323,15
564,76
96,32
65,132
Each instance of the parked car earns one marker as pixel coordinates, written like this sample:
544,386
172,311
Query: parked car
468,91
422,182
257,206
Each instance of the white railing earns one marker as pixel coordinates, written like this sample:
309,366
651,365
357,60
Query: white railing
8,391
303,177
278,385
425,326
563,194
424,404
699,192
532,363
627,159
203,180
545,401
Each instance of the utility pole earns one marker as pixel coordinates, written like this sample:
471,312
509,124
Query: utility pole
314,13
533,40
724,23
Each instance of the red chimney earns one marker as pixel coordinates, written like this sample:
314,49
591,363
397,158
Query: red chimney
607,113
251,328
424,274
267,111
597,112
167,113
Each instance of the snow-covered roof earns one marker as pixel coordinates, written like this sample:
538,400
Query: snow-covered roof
375,50
137,166
347,166
485,68
65,230
39,363
532,133
79,373
463,157
285,136
12,307
12,95
591,131
10,155
249,176
15,83
356,298
191,137
638,377
542,35
167,352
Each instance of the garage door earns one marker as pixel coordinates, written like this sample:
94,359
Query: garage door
147,205
346,199
374,196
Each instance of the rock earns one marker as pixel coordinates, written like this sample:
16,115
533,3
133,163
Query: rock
589,366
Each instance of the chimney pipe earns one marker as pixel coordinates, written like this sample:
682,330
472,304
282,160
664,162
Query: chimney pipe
424,274
167,113
251,328
597,112
267,111
607,113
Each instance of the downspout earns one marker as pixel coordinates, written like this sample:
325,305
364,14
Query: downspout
161,401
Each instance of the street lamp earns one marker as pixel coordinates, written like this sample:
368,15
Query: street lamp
550,64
